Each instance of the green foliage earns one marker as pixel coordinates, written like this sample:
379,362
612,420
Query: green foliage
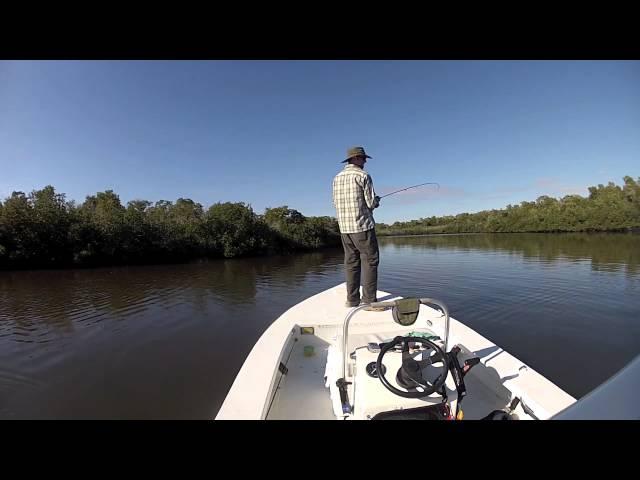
294,230
608,208
42,229
234,229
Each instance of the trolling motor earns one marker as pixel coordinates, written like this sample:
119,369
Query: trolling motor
405,312
410,373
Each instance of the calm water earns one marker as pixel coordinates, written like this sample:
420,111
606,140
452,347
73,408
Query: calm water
167,341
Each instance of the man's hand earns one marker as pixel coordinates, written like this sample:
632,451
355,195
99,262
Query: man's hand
376,201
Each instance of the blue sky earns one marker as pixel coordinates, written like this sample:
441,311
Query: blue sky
273,133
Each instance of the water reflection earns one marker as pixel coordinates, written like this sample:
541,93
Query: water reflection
67,299
605,252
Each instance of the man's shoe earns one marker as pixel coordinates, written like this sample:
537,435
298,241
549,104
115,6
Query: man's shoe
352,304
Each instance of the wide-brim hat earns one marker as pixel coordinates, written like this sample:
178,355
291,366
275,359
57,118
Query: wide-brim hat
355,152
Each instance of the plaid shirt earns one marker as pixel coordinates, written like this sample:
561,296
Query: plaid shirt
354,199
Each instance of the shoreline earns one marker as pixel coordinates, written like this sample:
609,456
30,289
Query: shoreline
184,261
629,230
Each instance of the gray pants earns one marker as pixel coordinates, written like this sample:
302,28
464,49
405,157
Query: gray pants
361,249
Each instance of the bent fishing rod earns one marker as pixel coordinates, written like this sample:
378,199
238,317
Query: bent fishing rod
414,186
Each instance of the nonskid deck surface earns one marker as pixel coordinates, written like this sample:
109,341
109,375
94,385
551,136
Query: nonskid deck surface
301,393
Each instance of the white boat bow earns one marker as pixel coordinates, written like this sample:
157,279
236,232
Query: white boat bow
293,370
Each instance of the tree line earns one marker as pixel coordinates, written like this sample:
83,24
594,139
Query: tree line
43,229
607,208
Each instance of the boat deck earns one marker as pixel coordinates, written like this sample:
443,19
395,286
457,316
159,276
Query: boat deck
261,391
301,393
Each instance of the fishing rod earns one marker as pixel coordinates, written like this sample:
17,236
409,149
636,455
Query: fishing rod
414,186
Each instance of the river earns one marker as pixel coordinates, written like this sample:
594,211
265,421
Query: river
166,341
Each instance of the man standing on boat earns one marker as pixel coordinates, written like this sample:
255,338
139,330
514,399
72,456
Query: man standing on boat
355,200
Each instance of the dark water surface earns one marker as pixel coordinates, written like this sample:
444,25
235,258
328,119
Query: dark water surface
167,341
